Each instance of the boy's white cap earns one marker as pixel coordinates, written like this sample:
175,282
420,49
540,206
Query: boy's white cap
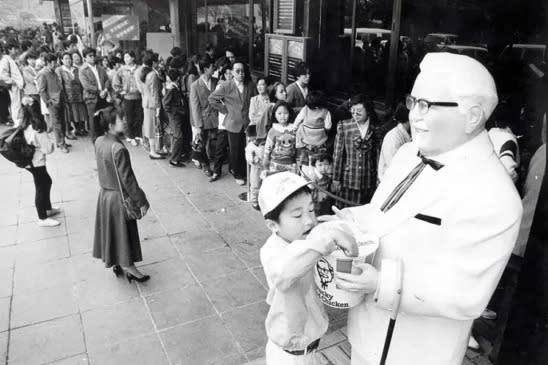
276,188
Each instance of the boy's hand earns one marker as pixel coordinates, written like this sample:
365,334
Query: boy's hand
333,235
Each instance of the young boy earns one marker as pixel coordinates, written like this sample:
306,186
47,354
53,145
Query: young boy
296,320
320,172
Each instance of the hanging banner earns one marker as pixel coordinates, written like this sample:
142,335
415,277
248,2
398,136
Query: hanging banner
121,27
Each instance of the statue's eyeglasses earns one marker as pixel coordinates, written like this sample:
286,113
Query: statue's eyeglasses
424,105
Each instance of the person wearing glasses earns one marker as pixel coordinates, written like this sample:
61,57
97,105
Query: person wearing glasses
355,155
447,215
233,98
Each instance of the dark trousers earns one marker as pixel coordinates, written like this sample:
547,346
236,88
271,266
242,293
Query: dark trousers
90,106
220,156
42,184
236,145
187,134
5,103
176,121
209,140
133,110
57,118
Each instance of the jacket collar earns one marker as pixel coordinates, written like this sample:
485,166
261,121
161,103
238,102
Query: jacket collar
431,185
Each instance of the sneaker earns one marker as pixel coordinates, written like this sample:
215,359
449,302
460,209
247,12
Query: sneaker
176,163
48,222
53,211
197,164
255,206
128,140
240,182
207,172
63,149
134,142
214,177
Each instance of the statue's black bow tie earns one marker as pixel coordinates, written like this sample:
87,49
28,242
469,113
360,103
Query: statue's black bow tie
432,163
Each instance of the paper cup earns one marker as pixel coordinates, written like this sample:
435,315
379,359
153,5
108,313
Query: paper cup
326,269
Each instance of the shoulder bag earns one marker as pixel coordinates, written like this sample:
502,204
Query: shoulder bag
131,210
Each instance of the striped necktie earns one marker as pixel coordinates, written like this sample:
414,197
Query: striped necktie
406,183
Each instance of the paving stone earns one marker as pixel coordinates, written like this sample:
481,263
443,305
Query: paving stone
80,243
259,274
206,341
8,218
43,305
234,290
197,242
81,359
81,224
3,346
6,282
186,222
42,251
80,209
166,275
157,250
210,202
98,292
28,278
145,350
46,342
113,324
30,232
174,307
248,252
258,353
7,256
5,304
230,360
212,264
7,235
247,325
150,227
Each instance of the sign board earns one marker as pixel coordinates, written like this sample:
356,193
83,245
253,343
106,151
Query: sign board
121,27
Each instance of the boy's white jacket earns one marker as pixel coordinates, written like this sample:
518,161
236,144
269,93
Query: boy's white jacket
453,232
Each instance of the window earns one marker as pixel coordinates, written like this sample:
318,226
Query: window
225,24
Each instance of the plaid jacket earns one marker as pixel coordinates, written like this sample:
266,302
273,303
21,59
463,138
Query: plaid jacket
355,159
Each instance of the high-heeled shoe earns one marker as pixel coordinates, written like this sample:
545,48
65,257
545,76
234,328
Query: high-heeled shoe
117,270
130,277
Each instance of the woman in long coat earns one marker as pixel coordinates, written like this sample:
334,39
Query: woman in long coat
116,239
356,155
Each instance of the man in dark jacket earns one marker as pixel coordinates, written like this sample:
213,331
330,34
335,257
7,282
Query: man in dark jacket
96,85
232,98
176,110
204,118
50,90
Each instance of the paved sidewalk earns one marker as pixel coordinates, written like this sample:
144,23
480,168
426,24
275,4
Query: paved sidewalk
203,305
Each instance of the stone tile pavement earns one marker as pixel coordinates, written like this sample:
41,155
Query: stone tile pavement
203,305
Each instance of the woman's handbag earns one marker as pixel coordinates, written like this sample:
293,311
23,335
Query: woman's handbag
131,210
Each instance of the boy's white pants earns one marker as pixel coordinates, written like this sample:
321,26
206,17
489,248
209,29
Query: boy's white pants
275,355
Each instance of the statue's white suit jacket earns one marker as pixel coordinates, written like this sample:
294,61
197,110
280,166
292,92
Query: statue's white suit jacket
453,232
